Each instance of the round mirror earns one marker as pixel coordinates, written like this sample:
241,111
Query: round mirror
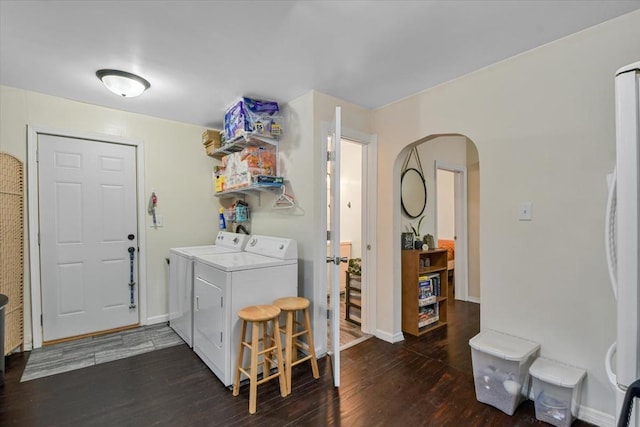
413,192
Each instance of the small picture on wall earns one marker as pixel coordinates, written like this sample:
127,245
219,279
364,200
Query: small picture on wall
407,240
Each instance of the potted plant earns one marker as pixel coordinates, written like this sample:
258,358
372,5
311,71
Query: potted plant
416,231
355,267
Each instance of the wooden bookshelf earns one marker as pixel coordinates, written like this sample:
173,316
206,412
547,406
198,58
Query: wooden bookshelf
417,264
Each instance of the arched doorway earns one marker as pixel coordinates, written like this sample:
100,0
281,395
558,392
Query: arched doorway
453,158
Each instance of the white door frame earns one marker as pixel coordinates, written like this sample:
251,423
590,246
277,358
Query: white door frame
369,215
34,223
461,268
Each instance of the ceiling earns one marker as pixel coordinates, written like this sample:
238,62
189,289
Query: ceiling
200,56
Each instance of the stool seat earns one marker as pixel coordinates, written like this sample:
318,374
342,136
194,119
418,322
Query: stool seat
258,313
291,303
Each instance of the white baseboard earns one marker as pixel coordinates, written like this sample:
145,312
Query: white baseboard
589,415
473,299
596,417
392,338
157,319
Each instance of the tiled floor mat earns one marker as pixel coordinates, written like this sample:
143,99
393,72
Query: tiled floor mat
71,355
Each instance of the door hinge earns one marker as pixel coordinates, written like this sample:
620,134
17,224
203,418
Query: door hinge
331,155
221,301
220,336
38,238
328,234
37,155
41,322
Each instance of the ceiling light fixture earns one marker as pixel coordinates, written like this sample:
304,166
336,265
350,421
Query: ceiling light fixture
122,83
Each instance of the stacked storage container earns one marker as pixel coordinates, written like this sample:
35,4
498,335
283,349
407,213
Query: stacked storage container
556,389
501,368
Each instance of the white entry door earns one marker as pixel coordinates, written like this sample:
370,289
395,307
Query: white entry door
333,236
88,236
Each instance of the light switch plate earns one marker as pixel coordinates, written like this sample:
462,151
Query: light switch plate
525,211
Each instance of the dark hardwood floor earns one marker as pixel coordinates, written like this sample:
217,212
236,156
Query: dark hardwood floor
424,381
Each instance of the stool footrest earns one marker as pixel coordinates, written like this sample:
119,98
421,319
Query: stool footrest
304,359
267,350
268,378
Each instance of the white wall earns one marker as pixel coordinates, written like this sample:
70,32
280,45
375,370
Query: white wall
176,167
543,123
446,206
351,196
450,149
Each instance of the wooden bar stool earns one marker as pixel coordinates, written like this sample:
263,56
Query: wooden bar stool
294,329
257,316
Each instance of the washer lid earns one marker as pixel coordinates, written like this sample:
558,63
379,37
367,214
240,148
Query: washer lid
503,346
193,251
241,261
556,373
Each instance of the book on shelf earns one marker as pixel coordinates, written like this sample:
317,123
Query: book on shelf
425,289
428,311
435,283
427,322
428,315
427,301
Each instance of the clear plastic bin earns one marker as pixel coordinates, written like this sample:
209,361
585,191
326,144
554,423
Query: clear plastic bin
501,368
556,389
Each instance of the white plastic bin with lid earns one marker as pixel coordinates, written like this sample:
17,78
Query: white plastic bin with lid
501,368
556,390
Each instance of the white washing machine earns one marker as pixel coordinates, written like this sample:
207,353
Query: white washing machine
225,283
181,279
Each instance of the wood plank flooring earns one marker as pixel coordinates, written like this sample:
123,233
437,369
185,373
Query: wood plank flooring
424,381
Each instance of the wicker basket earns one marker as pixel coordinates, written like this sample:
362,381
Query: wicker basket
12,248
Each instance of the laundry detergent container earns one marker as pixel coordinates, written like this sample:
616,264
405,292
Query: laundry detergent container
556,389
501,368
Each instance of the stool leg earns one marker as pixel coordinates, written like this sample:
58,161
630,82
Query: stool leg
282,378
266,343
289,348
236,382
312,348
253,382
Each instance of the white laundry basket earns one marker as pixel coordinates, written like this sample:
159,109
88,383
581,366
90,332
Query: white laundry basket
556,390
501,368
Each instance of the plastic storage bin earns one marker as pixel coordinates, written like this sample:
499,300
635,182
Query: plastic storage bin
501,368
556,390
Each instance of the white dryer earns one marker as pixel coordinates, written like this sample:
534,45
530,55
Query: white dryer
181,279
223,284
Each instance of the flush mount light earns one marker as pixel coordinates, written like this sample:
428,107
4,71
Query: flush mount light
122,83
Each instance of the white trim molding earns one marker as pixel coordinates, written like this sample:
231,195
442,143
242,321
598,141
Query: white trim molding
389,337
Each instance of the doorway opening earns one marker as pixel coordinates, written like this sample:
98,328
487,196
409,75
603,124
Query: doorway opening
351,244
451,214
352,247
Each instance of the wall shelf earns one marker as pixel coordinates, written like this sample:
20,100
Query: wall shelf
241,142
252,189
